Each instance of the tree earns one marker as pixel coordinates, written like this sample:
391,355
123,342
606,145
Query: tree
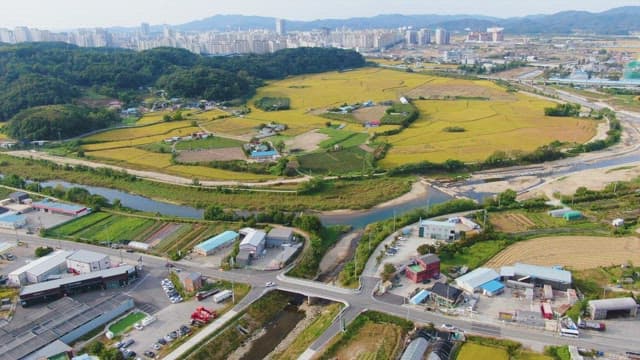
279,145
426,249
214,212
507,197
43,251
95,348
166,118
388,271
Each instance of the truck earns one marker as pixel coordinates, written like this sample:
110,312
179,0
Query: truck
148,320
201,295
222,296
591,325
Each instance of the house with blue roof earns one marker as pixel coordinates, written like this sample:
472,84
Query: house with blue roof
482,280
216,243
11,220
262,156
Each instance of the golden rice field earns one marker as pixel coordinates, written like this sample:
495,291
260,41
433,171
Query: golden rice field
139,131
577,252
489,125
162,162
233,126
152,117
141,140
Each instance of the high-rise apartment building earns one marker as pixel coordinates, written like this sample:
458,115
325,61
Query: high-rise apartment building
280,27
442,37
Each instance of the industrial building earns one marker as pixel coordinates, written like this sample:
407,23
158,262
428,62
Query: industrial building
446,295
438,230
483,280
54,207
216,243
19,197
253,241
537,275
61,322
11,220
40,269
602,309
85,261
278,236
425,267
98,280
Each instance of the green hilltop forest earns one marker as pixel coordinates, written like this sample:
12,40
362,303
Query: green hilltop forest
44,74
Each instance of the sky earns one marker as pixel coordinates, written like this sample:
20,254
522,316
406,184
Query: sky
70,14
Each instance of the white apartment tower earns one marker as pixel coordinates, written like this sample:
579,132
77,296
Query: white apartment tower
280,27
442,37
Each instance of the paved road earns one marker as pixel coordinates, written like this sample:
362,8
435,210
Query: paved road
355,300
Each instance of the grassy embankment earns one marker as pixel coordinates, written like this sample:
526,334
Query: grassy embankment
336,194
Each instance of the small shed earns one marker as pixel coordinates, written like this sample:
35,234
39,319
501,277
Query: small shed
572,215
18,197
420,297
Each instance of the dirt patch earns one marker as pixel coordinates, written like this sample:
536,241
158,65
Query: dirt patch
577,252
371,113
306,142
339,253
466,89
367,148
369,340
511,223
224,154
161,234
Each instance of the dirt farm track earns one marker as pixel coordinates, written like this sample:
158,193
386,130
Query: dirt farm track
576,252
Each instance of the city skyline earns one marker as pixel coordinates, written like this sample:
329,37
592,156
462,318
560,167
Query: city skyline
72,14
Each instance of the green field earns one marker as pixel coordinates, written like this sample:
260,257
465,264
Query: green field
471,351
79,224
215,142
473,256
348,160
115,229
126,323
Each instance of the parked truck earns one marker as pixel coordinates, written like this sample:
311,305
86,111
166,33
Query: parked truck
201,295
222,296
591,325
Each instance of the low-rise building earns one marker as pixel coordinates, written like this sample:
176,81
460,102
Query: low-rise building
40,269
602,309
214,244
85,261
278,236
54,207
11,220
483,280
446,295
254,241
19,197
191,281
537,275
438,230
423,268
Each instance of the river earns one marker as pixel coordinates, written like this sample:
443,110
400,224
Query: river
357,219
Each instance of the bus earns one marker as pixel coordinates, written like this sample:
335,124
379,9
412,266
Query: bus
569,332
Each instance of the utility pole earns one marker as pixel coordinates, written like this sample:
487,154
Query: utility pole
394,221
233,293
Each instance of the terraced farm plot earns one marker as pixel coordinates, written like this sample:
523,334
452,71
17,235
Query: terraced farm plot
215,142
343,161
152,117
142,140
489,126
79,224
200,156
139,131
511,222
372,341
234,126
576,252
163,232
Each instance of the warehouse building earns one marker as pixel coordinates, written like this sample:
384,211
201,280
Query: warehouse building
48,329
438,230
98,280
278,236
12,221
85,261
559,279
253,241
482,280
40,269
216,243
19,197
603,309
54,207
191,281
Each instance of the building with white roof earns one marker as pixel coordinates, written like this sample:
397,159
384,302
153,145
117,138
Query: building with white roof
253,241
473,281
40,269
601,309
537,275
85,261
438,230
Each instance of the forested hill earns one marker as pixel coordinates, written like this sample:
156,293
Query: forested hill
34,74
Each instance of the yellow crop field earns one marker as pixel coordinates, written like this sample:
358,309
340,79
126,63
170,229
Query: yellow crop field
156,161
139,131
577,252
489,126
141,140
233,126
471,351
152,117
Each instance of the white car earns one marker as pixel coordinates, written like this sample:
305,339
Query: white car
448,327
269,284
138,326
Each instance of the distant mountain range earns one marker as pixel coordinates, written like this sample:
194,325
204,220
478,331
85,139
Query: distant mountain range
618,21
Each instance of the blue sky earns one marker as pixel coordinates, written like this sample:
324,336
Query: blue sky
65,14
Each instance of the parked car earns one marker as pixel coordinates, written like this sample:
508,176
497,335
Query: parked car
448,327
156,346
138,326
127,343
162,341
149,354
